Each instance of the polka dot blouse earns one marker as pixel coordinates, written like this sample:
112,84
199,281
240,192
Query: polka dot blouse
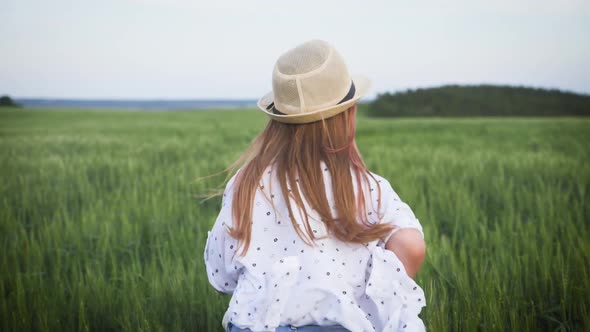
283,281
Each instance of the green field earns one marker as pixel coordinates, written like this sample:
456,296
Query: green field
100,228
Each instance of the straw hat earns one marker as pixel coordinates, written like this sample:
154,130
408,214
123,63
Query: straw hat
311,82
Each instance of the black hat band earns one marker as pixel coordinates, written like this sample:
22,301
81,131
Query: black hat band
348,96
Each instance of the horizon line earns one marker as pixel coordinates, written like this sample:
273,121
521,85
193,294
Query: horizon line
372,96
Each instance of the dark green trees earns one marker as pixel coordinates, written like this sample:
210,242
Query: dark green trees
6,101
480,100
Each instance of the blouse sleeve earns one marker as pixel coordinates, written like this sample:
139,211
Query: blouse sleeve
220,248
396,212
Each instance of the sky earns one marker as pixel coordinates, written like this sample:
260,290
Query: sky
181,49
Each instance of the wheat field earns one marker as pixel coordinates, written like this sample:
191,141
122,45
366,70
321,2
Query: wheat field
101,230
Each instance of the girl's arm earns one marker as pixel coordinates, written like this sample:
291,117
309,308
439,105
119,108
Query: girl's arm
407,238
217,256
409,246
220,248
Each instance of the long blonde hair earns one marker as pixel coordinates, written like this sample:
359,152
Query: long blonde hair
299,149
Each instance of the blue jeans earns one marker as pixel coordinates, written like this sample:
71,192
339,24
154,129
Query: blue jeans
289,328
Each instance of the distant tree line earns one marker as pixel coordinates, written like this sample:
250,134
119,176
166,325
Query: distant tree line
6,101
480,100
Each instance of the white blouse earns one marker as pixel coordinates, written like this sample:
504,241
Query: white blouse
283,281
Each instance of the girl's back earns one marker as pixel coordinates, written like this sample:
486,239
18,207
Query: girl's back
283,281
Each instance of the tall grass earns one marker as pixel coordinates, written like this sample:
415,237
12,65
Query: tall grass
100,228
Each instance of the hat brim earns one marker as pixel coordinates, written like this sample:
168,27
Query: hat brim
361,84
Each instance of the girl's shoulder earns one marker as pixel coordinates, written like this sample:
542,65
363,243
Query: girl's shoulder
379,180
378,177
229,186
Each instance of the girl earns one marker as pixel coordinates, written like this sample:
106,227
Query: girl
308,238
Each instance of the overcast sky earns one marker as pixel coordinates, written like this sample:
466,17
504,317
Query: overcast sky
220,49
